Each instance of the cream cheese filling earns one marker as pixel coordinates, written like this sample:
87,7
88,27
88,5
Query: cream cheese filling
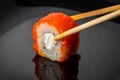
49,42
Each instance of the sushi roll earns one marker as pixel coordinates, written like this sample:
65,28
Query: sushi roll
44,31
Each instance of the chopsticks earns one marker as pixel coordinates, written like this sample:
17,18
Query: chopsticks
88,24
96,12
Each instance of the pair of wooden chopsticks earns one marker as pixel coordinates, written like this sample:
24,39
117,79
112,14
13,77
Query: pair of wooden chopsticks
89,24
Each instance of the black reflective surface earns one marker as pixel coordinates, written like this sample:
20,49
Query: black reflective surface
99,46
50,70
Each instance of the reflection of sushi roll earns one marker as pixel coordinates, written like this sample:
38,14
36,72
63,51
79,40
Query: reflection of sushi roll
44,31
51,70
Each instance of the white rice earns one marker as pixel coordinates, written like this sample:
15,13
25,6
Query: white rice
54,53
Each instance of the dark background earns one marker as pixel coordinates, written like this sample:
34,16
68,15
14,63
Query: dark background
99,47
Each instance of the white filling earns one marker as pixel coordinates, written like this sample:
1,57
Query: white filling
49,41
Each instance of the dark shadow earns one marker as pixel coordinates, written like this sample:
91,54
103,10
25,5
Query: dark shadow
51,70
84,5
80,5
